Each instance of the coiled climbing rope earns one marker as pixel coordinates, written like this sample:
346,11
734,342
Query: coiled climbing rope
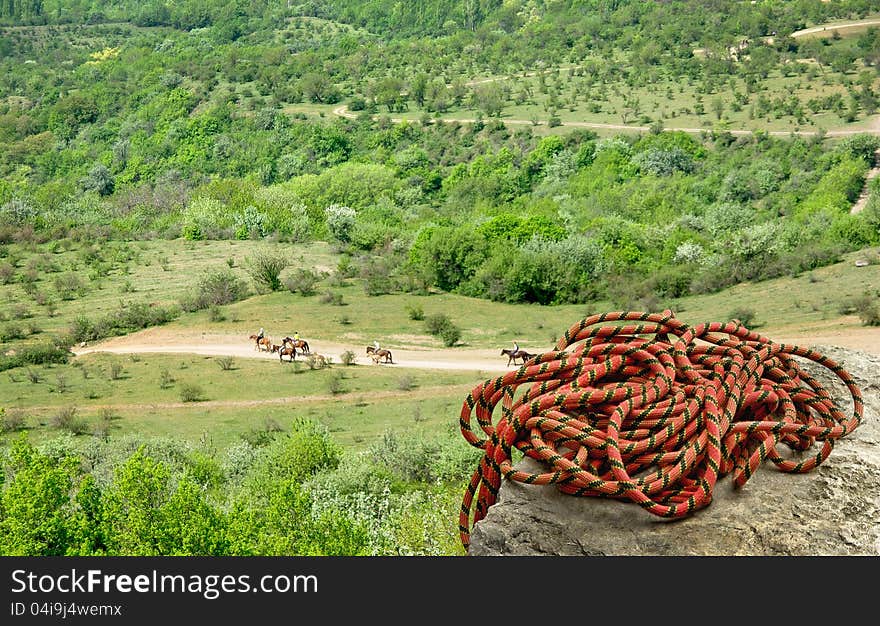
652,411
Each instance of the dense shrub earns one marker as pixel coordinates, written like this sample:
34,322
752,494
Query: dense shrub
129,317
745,315
340,221
439,324
12,420
265,269
217,288
36,354
436,322
67,419
302,280
867,307
191,392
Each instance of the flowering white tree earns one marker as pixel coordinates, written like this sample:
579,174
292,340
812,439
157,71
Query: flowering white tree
340,221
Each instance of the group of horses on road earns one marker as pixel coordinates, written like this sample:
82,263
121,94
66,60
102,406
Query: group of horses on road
289,347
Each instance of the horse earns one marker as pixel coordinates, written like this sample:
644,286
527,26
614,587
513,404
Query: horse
290,351
300,344
381,353
513,355
261,344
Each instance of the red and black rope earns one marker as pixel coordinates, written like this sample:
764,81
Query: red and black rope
645,408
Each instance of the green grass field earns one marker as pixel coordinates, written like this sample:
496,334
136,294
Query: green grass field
143,394
146,271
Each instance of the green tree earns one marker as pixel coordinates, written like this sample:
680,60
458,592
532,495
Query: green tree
418,88
35,503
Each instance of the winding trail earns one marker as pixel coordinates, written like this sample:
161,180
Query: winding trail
157,342
482,361
830,28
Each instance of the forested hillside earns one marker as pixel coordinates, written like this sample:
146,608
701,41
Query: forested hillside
219,120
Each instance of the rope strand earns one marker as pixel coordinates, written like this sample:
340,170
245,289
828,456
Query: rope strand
653,411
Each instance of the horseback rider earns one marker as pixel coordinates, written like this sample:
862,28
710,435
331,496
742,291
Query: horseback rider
296,336
260,335
376,345
515,347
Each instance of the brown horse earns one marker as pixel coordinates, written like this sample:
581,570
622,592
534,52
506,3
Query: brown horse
513,355
381,353
261,344
300,344
290,351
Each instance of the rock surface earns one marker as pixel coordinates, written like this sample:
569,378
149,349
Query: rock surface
832,510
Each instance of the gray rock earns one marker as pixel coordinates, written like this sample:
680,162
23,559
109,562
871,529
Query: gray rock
832,510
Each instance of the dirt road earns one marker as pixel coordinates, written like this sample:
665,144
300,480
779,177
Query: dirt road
220,345
840,28
489,361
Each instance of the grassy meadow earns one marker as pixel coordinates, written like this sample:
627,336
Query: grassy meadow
196,397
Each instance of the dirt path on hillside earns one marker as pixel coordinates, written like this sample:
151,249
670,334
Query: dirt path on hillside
834,27
155,341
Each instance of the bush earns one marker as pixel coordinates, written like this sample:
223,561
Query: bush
7,273
302,281
348,357
21,312
190,392
11,332
333,298
440,325
226,363
335,385
69,286
129,317
340,221
415,312
11,420
66,419
116,370
265,270
406,382
450,335
304,451
435,323
744,315
218,288
868,309
36,354
165,379
410,459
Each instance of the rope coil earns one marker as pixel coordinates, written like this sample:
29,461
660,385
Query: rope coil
652,412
